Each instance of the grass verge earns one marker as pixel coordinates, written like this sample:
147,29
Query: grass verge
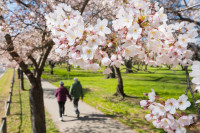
19,120
5,83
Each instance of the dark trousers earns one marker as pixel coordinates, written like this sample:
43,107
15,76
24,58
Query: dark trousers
61,108
75,102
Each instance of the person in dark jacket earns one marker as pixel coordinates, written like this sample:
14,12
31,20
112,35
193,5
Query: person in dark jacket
76,91
61,94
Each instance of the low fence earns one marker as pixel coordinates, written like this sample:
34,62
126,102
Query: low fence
3,128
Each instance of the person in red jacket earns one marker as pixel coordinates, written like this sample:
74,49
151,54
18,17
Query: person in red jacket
62,94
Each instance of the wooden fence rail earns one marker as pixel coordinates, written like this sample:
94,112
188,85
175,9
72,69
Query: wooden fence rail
3,128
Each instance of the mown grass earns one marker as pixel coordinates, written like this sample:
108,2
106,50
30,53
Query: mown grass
5,83
19,120
98,92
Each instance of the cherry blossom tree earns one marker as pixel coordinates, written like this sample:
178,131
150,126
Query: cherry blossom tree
90,46
140,29
182,10
91,34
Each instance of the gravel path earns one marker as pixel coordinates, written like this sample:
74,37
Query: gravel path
91,120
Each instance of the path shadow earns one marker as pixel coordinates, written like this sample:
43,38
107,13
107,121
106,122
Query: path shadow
89,117
96,123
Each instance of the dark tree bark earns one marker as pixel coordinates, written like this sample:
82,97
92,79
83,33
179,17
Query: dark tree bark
21,80
52,69
169,67
120,87
52,65
68,68
192,93
111,75
183,68
146,67
37,107
36,92
128,64
196,50
18,73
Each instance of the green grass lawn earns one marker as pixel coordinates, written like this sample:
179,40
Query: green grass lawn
19,120
98,92
5,83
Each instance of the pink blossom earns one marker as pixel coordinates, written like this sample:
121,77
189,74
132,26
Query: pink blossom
183,103
185,120
149,117
143,103
152,96
171,105
165,123
198,101
105,61
107,71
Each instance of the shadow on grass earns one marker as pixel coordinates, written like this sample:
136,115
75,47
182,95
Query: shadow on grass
127,96
60,76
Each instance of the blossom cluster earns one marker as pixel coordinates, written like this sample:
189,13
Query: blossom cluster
139,30
163,114
147,35
196,76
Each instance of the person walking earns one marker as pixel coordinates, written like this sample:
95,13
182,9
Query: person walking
61,94
76,91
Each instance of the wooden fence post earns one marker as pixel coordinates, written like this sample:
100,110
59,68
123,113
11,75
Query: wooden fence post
8,108
4,128
10,96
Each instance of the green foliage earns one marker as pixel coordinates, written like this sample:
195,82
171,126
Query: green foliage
20,119
99,92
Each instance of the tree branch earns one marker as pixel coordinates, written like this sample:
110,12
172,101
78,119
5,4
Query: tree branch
41,47
22,3
84,5
188,80
191,91
185,3
190,7
48,50
33,61
17,58
186,19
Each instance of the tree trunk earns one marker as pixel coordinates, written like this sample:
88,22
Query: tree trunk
18,73
119,89
21,80
36,92
68,68
52,66
145,67
183,68
111,75
37,107
138,65
128,65
169,67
